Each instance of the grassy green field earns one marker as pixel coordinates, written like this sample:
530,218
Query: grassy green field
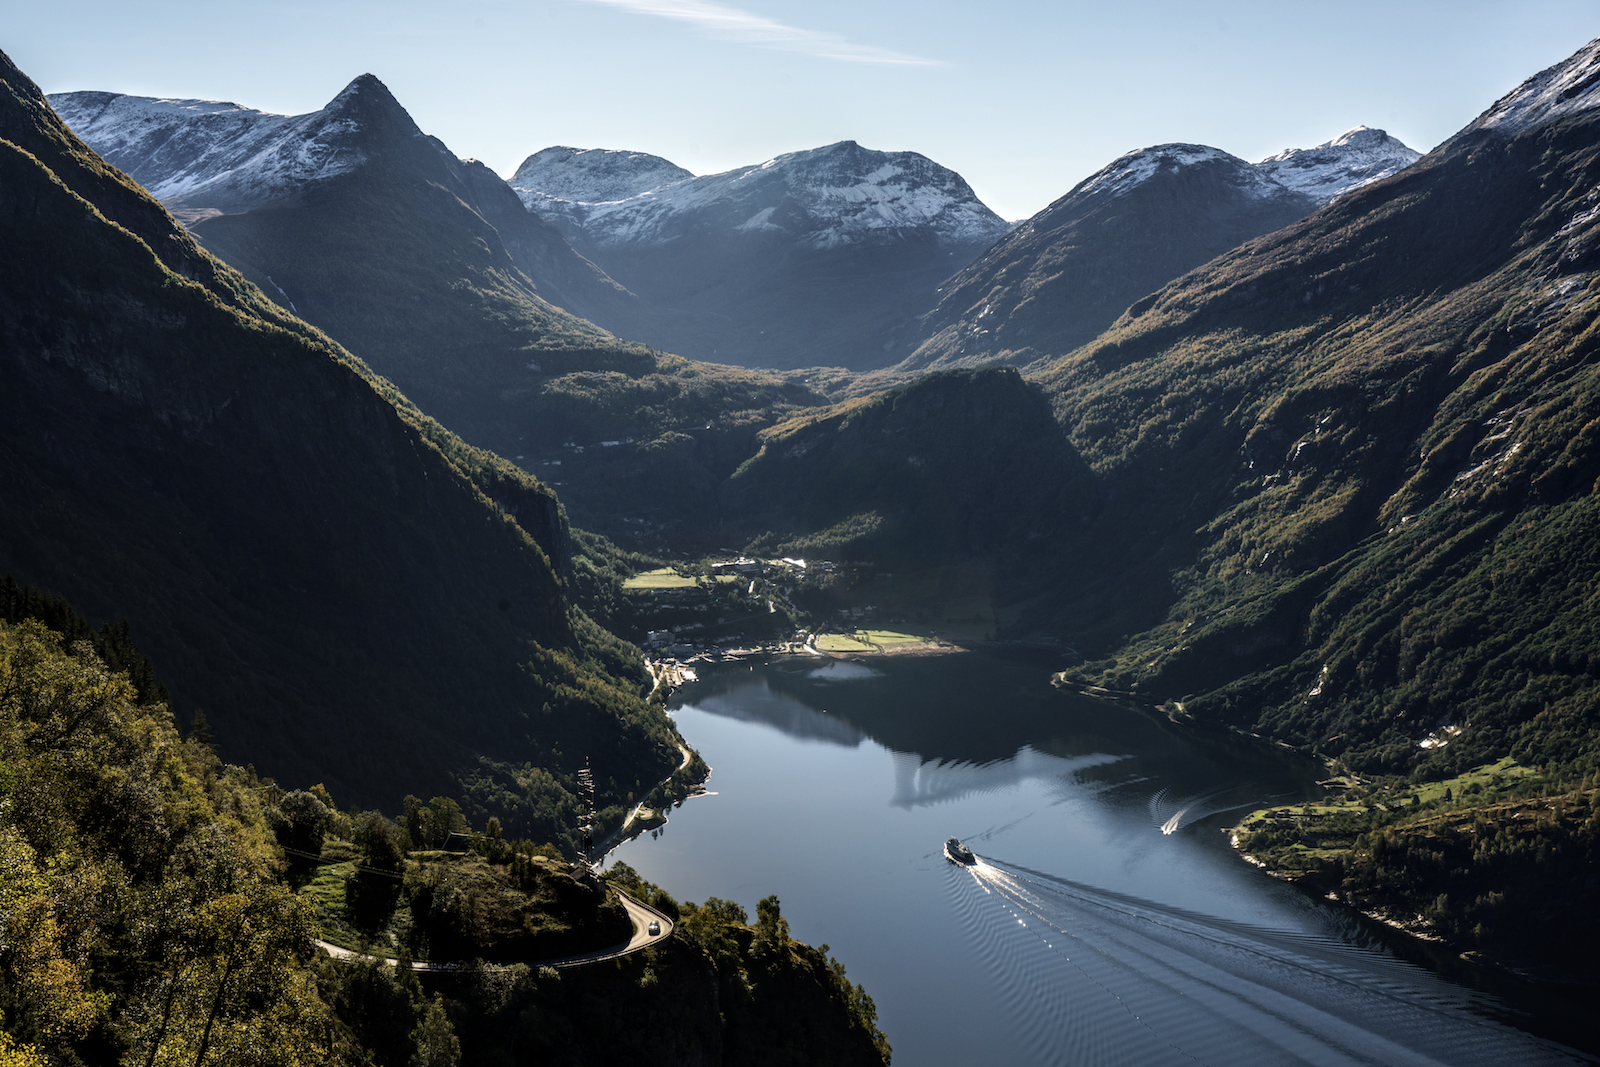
843,643
326,889
660,578
890,637
870,640
1487,782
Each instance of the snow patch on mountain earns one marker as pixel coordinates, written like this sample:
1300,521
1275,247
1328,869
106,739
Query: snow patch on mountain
213,152
1568,88
827,197
1354,158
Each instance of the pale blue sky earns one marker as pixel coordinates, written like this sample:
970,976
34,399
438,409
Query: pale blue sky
1024,98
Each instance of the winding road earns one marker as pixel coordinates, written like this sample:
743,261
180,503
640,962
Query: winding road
622,831
641,914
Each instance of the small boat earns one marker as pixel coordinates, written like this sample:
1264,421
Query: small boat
956,852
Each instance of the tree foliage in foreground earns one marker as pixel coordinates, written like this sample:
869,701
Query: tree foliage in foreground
148,915
141,920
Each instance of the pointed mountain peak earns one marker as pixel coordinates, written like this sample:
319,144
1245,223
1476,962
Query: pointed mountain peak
1571,87
370,103
1362,135
1359,138
364,85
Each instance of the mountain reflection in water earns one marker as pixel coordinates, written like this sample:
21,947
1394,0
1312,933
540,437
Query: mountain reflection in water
754,701
918,781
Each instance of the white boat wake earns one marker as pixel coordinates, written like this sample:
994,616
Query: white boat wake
1170,814
1095,977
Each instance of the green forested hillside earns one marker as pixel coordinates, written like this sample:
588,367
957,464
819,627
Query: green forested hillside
1498,861
137,903
1354,469
355,594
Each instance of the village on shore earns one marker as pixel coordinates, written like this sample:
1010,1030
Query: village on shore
743,607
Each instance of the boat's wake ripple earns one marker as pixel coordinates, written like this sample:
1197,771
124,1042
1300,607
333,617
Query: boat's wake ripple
1095,977
1169,813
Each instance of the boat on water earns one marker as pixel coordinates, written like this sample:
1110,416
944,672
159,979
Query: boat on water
956,852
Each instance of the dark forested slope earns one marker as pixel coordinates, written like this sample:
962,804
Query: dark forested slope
358,596
954,466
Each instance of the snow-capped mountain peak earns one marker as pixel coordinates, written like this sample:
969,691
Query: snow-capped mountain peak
593,175
222,157
187,151
1568,88
1354,158
826,197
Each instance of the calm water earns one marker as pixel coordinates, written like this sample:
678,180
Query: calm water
1108,921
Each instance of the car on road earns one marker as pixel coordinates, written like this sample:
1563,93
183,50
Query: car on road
654,928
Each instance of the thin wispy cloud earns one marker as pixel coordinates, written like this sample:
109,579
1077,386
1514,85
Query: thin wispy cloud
735,25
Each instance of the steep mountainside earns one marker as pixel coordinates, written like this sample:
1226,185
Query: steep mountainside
355,595
421,263
1063,276
1355,462
812,258
156,908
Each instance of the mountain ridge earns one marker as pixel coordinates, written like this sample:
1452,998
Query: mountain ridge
206,159
1064,275
415,261
812,257
830,196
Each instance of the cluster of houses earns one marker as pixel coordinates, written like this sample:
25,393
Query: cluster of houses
685,638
